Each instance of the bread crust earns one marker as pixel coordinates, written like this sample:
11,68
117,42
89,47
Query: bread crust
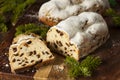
79,35
54,11
28,52
47,21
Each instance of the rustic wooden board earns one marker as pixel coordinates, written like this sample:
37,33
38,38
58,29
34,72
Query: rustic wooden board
109,53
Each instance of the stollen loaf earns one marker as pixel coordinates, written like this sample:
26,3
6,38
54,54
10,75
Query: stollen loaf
77,36
54,11
27,51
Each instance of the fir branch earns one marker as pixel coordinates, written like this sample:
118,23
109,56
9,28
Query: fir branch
113,3
73,66
89,64
32,28
7,5
20,9
84,68
114,16
2,19
3,27
15,7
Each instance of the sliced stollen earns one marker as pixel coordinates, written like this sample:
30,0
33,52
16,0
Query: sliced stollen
54,11
28,53
77,36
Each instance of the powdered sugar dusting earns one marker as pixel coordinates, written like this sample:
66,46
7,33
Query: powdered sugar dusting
62,9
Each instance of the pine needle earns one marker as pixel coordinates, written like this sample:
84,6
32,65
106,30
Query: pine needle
83,68
114,16
32,28
15,7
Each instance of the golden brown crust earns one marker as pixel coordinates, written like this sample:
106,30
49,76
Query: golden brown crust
47,21
45,63
37,66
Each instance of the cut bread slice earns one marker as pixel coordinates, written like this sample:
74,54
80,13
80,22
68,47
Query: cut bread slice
77,36
28,53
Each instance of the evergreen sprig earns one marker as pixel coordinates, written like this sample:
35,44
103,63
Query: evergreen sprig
83,68
15,8
114,15
113,3
3,27
32,28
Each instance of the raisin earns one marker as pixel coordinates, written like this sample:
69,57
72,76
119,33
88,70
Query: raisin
82,28
86,22
57,42
55,45
23,64
14,60
61,34
14,49
65,52
40,61
67,44
26,62
21,54
32,61
20,63
41,39
16,54
18,60
57,31
46,52
14,42
43,53
65,48
29,42
71,44
34,52
30,53
60,44
25,58
38,56
50,56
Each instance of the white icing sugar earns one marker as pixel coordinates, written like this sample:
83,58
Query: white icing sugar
81,29
62,9
24,38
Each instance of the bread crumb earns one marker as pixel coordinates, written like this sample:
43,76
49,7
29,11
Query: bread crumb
59,67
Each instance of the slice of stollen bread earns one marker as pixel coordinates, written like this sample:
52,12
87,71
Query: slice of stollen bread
27,53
